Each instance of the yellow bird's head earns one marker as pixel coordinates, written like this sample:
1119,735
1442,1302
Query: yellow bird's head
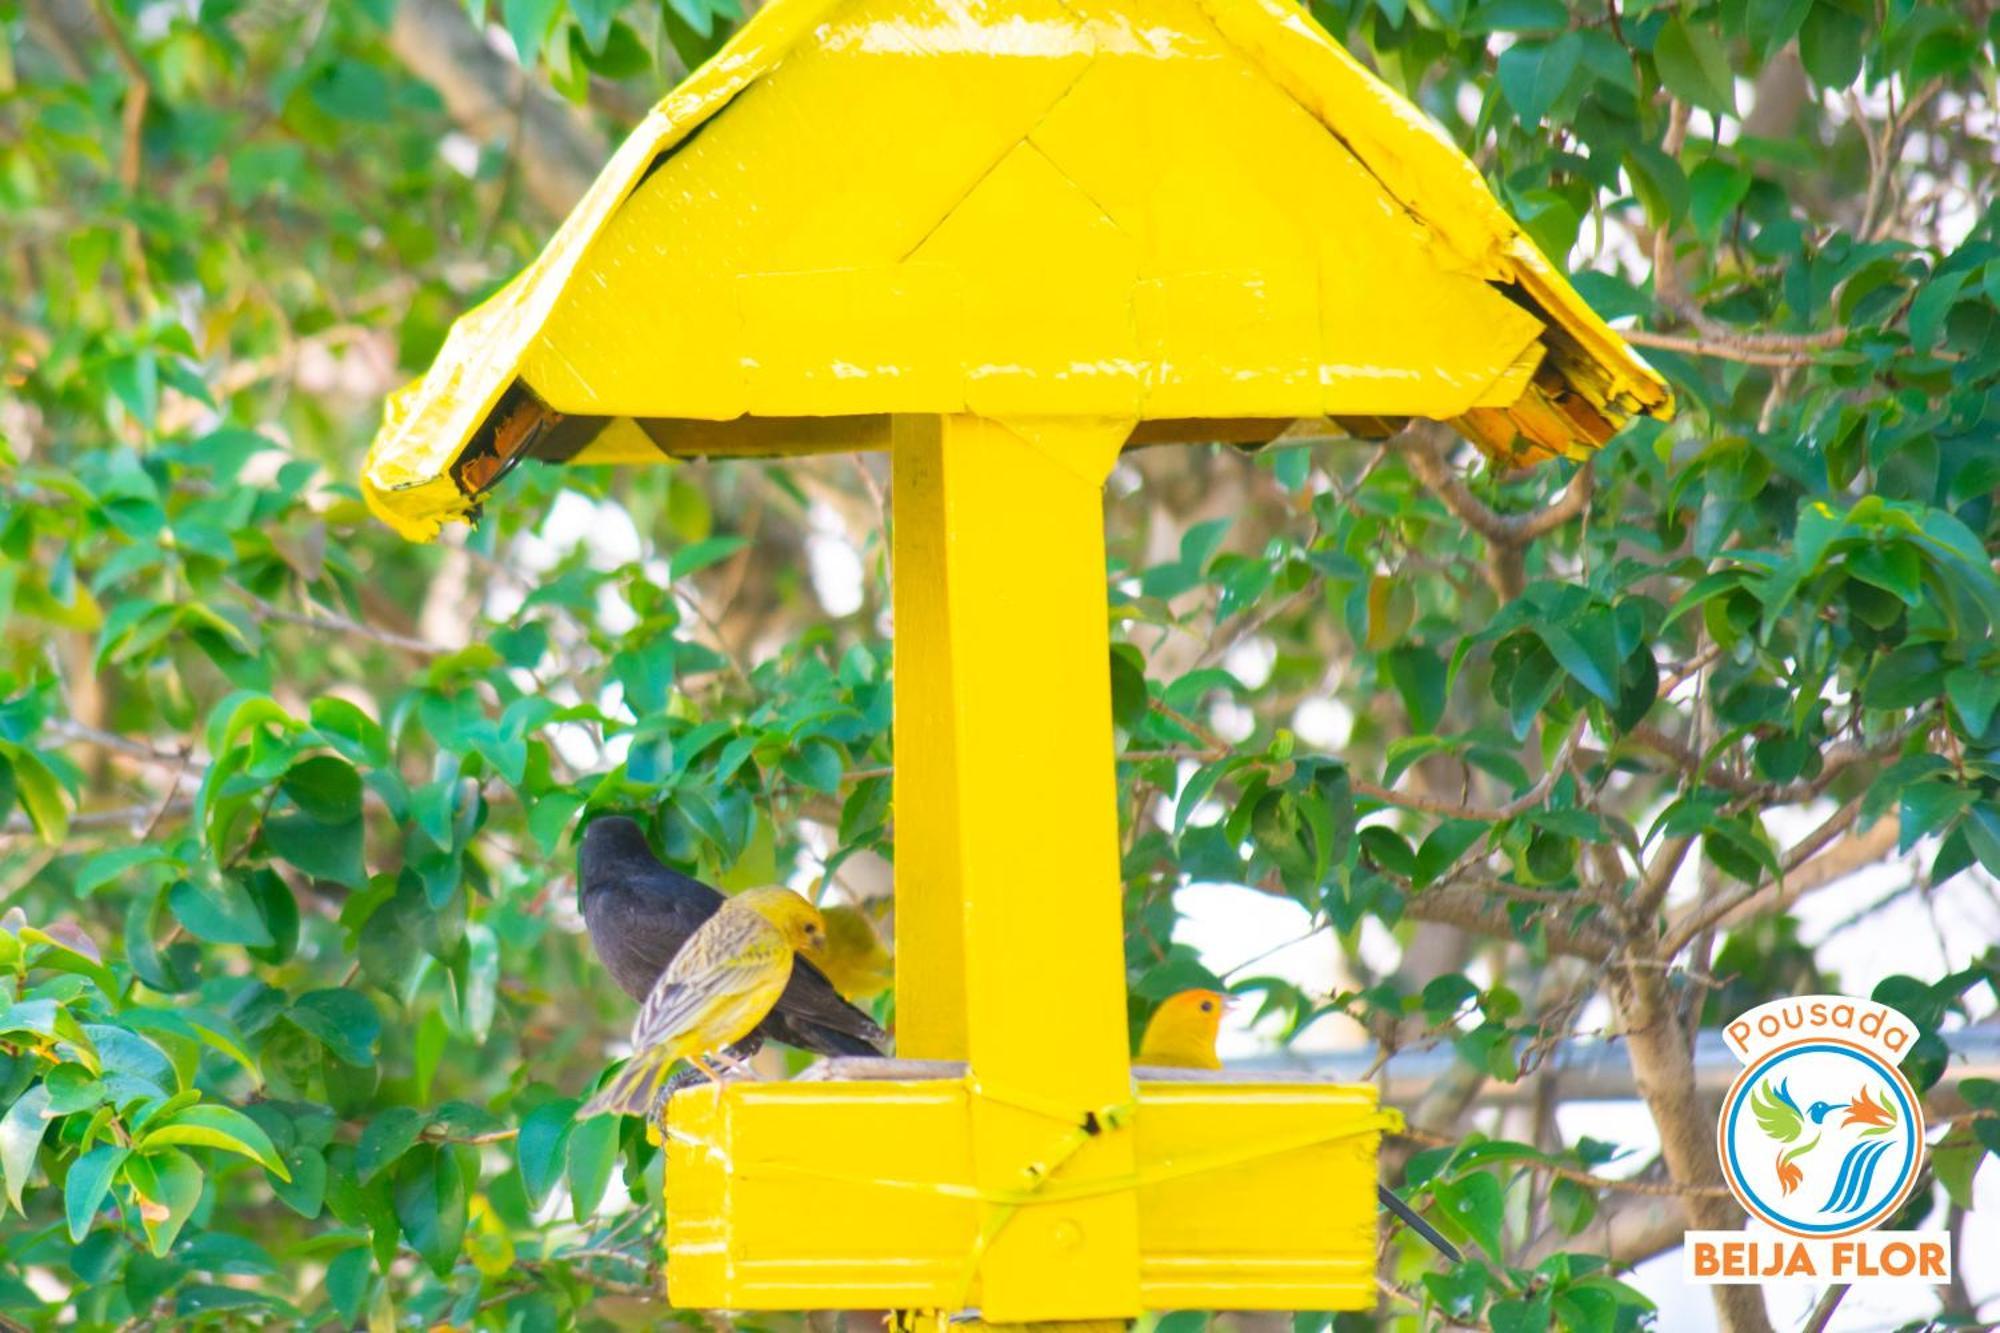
856,962
1181,1033
796,919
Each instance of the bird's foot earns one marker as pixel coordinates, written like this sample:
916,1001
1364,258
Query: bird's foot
734,1064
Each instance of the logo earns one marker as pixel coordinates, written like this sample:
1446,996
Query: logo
1821,1139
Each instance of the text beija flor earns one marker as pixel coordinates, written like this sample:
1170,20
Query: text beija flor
1733,1256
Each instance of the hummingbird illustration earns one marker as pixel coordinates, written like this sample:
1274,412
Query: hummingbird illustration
1779,1116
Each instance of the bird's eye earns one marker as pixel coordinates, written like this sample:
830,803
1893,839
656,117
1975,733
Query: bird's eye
1208,1006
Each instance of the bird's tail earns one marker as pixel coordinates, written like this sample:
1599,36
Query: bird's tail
833,1041
633,1089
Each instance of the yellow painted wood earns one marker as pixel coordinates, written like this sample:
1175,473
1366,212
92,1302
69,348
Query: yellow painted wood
1250,1196
1000,605
930,903
1045,952
1135,209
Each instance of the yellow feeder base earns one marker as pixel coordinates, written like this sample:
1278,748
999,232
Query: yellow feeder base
861,1195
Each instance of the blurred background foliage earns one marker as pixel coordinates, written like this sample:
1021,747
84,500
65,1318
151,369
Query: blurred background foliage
296,1008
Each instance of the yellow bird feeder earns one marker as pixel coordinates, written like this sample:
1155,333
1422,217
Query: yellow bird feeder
1004,240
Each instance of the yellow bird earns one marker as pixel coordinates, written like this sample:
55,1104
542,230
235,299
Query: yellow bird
721,984
1181,1032
1181,1035
856,962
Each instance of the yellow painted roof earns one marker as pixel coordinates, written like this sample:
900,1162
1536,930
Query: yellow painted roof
1146,210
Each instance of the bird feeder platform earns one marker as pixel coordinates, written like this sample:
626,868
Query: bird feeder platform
1005,240
850,1187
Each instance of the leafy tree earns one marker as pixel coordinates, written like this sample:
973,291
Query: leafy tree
296,1010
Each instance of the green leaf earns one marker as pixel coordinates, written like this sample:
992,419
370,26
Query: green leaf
211,1126
220,912
864,810
1534,75
815,765
1587,648
1658,182
1418,674
21,1131
135,381
480,989
169,1180
1975,694
349,729
1475,1203
428,1050
39,793
242,713
72,1088
1715,190
1772,23
393,1132
593,1150
1956,1161
331,852
343,1020
1531,1316
304,1192
1518,16
1447,842
1830,44
550,816
49,1019
352,90
324,788
528,23
593,20
542,1147
115,864
431,1206
349,1275
1694,67
90,1178
1929,808
1982,833
697,556
323,835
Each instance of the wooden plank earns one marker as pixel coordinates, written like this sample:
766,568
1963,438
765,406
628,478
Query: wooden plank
1006,792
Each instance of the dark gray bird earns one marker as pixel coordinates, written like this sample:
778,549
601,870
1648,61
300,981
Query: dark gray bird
641,912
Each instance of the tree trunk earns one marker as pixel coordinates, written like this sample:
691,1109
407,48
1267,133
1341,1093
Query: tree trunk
1663,1072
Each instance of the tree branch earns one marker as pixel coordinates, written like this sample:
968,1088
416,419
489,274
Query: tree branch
339,624
1507,534
1811,864
1746,349
1477,910
1664,1075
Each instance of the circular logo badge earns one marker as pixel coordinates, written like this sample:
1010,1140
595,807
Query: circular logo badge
1821,1138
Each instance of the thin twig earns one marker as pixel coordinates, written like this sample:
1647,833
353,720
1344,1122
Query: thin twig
1717,910
335,623
1657,1188
1718,349
1822,1313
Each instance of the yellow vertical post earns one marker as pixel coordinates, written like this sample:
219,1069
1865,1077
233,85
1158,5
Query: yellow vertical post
930,912
1004,744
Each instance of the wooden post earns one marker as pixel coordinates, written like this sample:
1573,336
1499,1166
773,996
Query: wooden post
1008,914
